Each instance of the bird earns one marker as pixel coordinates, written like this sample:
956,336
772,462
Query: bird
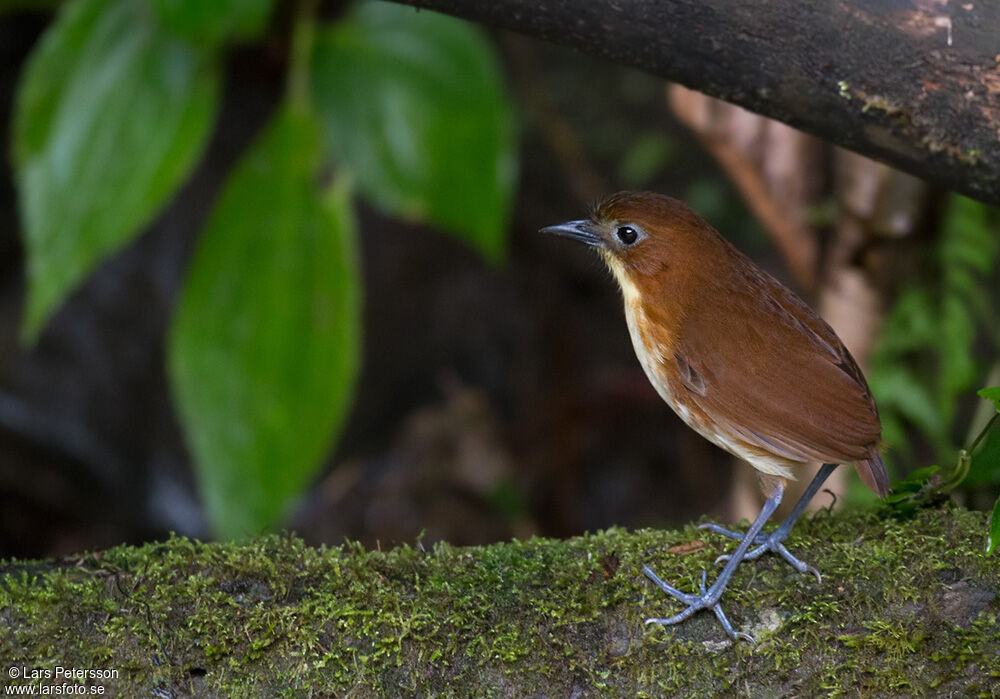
741,359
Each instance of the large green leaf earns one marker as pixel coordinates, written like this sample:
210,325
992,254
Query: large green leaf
414,105
214,20
264,347
111,114
985,467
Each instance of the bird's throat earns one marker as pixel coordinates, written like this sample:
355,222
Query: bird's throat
630,292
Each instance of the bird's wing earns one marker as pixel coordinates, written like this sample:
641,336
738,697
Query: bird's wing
789,387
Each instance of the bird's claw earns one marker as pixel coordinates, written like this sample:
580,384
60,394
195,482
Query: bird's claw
708,599
767,542
701,603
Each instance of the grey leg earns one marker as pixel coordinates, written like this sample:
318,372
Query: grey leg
775,540
709,599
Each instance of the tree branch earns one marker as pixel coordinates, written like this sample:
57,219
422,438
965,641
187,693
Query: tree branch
916,84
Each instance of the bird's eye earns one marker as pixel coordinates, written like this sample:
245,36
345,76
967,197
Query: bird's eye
627,235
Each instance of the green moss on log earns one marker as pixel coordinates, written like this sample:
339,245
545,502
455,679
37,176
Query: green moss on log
905,607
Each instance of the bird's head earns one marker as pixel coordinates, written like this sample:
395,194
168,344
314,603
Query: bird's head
641,235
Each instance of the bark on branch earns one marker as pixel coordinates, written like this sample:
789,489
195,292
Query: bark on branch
913,83
906,607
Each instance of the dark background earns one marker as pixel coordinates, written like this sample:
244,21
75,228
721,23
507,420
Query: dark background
494,401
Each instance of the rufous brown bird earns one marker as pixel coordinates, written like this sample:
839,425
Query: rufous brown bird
740,358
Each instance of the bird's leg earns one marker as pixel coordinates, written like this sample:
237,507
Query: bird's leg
709,599
775,540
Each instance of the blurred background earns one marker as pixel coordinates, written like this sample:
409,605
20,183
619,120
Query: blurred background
492,391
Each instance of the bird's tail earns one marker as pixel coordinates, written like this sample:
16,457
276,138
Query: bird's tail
873,473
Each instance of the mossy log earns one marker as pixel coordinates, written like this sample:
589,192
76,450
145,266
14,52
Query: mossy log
906,607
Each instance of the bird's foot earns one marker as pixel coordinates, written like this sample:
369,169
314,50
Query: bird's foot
765,542
708,599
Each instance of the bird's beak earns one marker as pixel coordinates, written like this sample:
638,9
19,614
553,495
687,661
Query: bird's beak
582,230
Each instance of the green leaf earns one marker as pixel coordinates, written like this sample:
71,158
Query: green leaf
263,351
214,21
413,104
914,482
920,488
994,537
985,468
897,387
958,366
110,116
992,394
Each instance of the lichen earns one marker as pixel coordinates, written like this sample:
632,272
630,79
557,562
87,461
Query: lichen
906,606
903,121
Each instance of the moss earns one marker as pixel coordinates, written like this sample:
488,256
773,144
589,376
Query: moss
905,607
